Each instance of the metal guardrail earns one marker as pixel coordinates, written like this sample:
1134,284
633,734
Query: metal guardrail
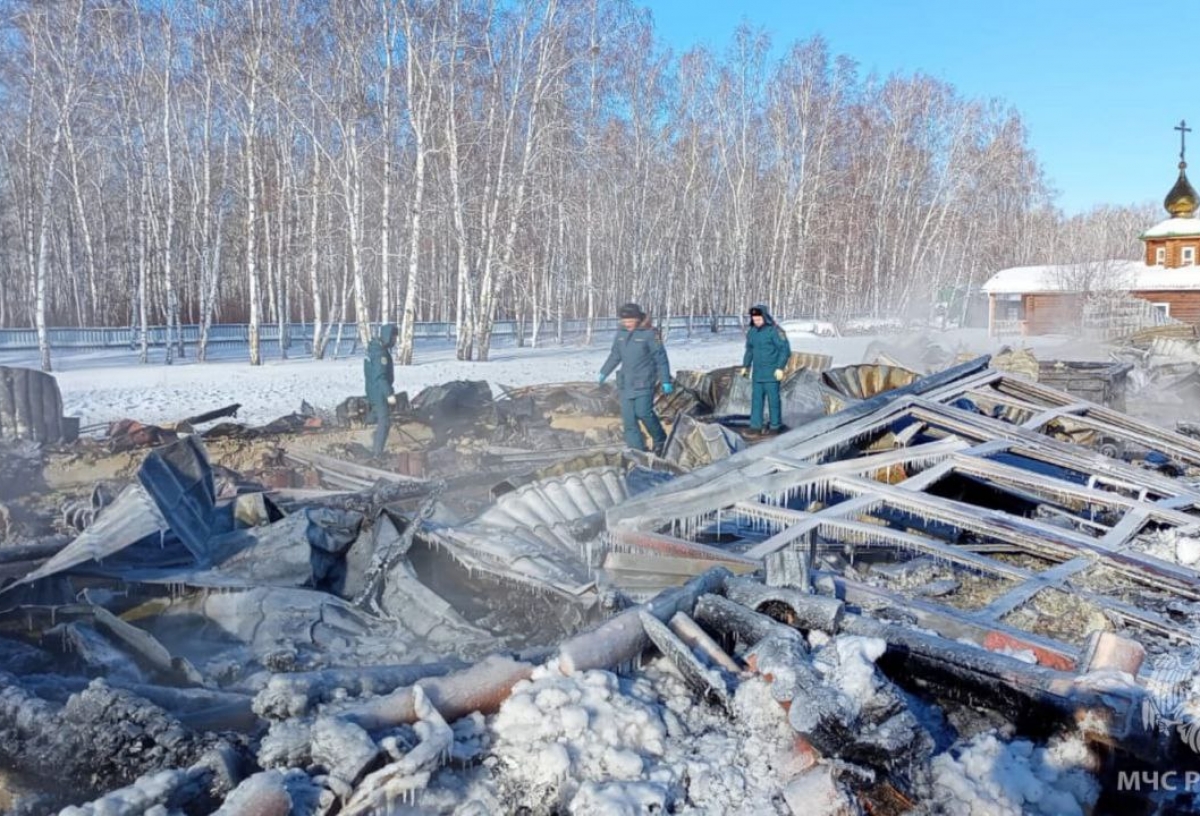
94,339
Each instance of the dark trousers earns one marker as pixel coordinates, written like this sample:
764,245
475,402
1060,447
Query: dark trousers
768,391
382,414
641,408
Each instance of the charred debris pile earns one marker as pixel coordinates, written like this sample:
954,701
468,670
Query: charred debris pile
267,621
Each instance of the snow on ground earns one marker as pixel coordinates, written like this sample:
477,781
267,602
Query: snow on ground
989,777
104,386
599,744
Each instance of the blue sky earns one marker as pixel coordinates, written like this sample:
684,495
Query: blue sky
1100,84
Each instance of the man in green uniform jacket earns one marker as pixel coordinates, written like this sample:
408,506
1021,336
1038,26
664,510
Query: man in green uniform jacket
767,353
639,351
379,372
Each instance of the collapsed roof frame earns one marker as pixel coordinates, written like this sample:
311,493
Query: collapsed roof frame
752,488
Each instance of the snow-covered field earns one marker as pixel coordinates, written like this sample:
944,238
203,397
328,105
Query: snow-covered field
105,386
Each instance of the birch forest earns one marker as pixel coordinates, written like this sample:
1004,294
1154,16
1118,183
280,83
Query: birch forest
468,161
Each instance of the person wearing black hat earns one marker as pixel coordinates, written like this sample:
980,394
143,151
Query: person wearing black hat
639,351
767,353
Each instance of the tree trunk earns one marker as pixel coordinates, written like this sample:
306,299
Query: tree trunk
42,252
314,263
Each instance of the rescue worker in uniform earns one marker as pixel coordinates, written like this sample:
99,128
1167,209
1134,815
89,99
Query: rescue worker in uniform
639,351
767,353
379,372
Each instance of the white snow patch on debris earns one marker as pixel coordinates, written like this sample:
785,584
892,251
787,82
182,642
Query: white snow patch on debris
848,663
989,777
598,745
1177,545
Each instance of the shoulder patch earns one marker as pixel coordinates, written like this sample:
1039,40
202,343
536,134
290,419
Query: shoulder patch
780,332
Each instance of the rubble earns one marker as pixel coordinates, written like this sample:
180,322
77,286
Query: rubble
31,408
938,592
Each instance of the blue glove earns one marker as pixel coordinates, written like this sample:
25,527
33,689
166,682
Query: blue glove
603,377
668,388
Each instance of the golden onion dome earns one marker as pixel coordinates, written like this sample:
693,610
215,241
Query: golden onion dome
1181,201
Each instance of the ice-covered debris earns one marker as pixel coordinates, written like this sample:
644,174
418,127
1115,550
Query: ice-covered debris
409,775
817,792
840,703
292,792
343,748
1177,545
848,663
1187,549
288,744
938,588
471,738
296,694
152,790
619,799
990,777
556,733
704,679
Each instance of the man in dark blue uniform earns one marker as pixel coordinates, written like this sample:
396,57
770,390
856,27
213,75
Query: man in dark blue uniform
379,372
767,353
639,351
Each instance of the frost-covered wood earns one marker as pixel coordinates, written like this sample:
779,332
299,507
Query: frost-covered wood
699,640
482,687
793,606
620,639
703,679
296,694
736,621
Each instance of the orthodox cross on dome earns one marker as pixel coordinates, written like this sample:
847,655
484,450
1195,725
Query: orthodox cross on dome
1184,130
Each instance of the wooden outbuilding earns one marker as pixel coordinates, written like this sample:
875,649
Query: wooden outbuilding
1162,286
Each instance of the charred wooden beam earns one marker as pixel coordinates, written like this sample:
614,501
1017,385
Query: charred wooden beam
622,638
738,622
209,416
704,680
102,738
1110,714
482,687
955,625
694,636
793,607
671,546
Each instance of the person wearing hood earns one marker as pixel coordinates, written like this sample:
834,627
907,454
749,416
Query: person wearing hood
639,351
767,353
379,372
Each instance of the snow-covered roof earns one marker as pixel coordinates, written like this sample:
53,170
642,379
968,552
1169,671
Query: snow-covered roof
1131,275
1173,226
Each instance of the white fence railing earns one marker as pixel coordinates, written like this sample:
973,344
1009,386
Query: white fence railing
94,339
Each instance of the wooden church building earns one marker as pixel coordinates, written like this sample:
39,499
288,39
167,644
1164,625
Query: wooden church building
1032,300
